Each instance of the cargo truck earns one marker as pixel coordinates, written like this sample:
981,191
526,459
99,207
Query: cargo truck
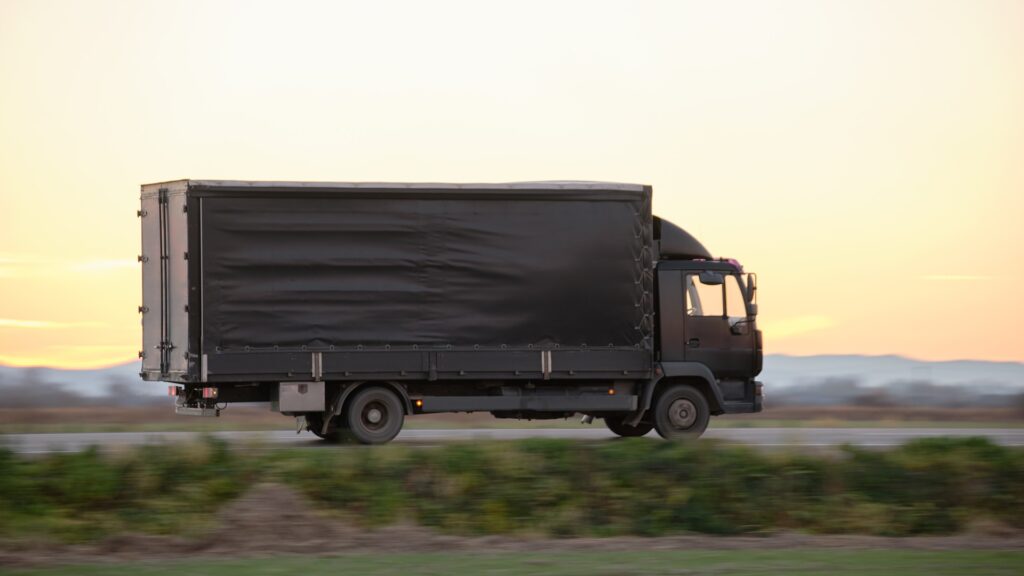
352,306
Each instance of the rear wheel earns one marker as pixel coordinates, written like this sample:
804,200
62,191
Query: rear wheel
617,424
374,415
315,424
681,412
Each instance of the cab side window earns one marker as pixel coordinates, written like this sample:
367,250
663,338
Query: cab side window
703,299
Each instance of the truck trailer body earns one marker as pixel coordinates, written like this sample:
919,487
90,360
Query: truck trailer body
353,305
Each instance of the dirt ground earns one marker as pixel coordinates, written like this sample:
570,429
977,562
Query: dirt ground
272,520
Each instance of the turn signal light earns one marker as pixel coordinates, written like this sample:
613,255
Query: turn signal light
611,391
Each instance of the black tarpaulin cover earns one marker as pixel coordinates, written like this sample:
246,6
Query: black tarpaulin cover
489,268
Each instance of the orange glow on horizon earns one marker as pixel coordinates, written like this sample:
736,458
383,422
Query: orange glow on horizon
864,158
65,362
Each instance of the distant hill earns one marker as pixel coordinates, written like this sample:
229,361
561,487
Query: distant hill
819,380
891,381
88,383
781,370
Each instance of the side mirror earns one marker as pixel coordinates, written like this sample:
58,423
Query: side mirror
740,328
753,308
710,278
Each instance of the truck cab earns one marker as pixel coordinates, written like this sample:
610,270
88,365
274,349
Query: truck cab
708,347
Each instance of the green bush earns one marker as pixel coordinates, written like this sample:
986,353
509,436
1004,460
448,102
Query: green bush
81,496
550,487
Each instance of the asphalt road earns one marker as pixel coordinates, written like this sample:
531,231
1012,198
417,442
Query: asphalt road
769,438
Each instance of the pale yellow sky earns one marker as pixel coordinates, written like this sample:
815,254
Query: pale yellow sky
866,158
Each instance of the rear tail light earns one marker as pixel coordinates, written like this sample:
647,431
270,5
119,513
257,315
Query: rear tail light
209,392
172,390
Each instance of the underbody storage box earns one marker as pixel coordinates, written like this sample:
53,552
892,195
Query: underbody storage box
296,281
298,397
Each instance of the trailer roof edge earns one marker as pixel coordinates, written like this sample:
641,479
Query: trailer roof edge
529,185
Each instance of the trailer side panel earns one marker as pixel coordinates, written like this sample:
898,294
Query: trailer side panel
295,272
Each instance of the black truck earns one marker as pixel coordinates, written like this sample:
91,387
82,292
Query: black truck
353,305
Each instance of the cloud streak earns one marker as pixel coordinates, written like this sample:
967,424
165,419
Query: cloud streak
15,266
103,265
796,326
956,277
44,324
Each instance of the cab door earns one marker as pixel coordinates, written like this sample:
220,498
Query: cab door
716,330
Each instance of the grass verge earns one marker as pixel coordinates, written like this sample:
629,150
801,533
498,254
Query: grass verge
761,563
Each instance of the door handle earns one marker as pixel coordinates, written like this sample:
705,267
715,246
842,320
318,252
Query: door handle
693,342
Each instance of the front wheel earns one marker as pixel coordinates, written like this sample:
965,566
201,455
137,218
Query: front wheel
374,415
617,424
681,413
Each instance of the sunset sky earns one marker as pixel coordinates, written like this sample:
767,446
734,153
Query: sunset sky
866,158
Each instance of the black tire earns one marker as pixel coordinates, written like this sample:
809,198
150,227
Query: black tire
315,424
681,413
374,415
618,425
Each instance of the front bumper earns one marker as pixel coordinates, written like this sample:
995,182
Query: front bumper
743,407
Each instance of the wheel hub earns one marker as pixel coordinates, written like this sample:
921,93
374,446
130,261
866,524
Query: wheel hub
374,416
682,414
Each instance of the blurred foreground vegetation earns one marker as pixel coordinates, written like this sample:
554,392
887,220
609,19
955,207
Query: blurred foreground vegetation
538,487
